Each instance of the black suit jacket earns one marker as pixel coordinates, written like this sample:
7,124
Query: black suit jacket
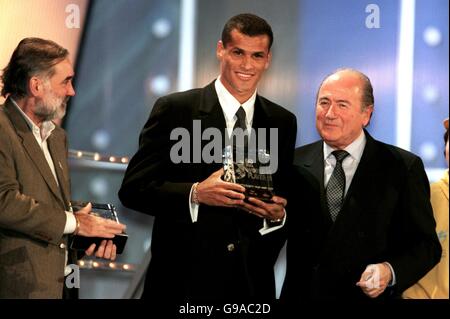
222,255
386,216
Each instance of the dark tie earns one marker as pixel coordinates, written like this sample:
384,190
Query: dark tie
241,123
336,185
241,119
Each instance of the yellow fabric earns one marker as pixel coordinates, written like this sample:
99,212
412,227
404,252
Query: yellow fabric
434,285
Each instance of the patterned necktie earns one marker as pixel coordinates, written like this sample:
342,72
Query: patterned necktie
241,123
336,185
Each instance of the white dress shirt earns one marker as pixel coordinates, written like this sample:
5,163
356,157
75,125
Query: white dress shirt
349,164
230,106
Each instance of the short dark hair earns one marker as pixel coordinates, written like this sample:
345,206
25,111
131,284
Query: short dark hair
367,98
33,56
248,24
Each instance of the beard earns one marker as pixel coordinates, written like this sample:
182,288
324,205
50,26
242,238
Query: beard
51,106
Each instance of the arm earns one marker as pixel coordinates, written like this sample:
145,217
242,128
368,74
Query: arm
19,212
147,185
413,245
420,249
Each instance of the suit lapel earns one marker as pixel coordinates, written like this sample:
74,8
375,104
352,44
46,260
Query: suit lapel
210,111
211,115
58,153
314,163
364,167
261,119
32,148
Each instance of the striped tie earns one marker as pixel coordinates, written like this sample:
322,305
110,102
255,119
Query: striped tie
336,185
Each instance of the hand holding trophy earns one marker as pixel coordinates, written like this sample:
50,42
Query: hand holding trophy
247,169
100,224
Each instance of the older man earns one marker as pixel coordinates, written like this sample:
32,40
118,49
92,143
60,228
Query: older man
35,214
363,226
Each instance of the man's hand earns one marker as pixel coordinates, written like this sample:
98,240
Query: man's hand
213,191
106,250
271,211
94,226
375,279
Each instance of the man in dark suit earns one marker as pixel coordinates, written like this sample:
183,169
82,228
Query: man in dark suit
363,226
208,243
35,214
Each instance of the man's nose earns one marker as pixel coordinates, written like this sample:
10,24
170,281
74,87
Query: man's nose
246,63
331,111
70,90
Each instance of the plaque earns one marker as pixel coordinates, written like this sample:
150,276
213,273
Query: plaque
107,211
247,170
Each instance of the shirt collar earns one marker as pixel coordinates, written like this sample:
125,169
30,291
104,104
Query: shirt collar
43,132
230,104
355,149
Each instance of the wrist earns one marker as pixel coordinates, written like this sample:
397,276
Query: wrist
194,197
77,227
274,222
388,268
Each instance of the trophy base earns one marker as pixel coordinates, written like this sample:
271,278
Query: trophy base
247,174
106,211
83,243
260,193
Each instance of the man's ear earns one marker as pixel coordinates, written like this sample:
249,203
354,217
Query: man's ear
35,86
269,60
220,49
368,111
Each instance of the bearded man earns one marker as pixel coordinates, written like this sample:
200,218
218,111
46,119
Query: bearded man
36,219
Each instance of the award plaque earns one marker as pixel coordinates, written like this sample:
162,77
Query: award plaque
107,211
247,171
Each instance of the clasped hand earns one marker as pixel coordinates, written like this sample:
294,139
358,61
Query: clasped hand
375,279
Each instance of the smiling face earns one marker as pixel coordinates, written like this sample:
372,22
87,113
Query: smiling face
340,115
242,63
